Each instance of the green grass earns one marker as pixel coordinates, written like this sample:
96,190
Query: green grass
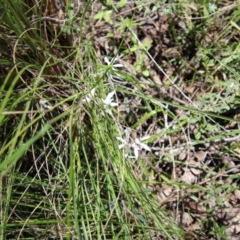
63,173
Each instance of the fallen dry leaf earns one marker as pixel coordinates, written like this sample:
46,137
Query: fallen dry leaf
186,219
188,177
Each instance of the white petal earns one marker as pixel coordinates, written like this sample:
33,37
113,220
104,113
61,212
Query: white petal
127,133
86,99
89,96
136,153
121,146
109,96
144,138
135,149
93,91
109,112
113,104
146,147
106,61
117,65
120,139
137,141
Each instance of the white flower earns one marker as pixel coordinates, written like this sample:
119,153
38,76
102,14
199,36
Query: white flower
125,142
113,67
108,102
137,144
117,65
89,96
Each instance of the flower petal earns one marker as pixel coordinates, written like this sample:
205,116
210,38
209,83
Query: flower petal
120,139
89,96
108,111
106,61
137,141
135,149
144,138
109,97
113,104
117,65
145,146
121,145
127,133
136,153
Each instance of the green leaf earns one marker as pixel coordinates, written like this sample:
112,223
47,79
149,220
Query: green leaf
145,73
121,4
106,15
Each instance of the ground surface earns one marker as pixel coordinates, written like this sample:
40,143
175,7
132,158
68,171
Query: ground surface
179,55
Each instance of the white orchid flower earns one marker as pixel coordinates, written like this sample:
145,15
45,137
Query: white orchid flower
89,96
116,65
136,146
108,102
125,142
